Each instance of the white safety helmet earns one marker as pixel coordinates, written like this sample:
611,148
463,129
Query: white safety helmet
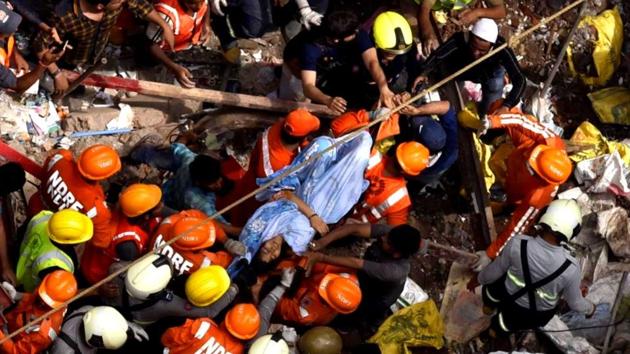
104,327
563,216
148,277
486,29
269,344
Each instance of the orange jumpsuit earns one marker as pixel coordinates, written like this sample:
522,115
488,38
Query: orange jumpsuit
201,335
527,192
63,187
37,337
95,261
387,196
187,261
307,307
269,155
186,28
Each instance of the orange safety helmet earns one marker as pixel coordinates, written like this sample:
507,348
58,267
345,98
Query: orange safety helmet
412,157
57,288
341,292
99,162
551,164
300,123
199,233
243,321
139,198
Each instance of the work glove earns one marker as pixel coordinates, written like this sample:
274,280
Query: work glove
287,277
310,17
138,332
216,6
10,291
235,247
481,262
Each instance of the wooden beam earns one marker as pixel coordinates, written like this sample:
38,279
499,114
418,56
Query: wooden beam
158,89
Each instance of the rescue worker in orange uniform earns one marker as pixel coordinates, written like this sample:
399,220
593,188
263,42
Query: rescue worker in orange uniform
275,149
536,168
203,335
187,19
190,253
56,288
387,196
135,219
319,298
70,184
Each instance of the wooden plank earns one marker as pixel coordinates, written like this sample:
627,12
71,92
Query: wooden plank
470,167
158,89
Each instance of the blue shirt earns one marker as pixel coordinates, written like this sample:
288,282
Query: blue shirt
180,193
314,54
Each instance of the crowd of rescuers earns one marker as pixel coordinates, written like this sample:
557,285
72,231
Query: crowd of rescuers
201,285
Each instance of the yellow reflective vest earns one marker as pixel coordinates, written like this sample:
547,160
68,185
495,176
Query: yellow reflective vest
38,253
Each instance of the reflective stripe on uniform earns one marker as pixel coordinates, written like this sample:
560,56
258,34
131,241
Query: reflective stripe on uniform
175,14
502,323
394,198
203,329
52,334
492,298
519,226
434,158
127,233
55,254
53,161
265,154
303,312
527,124
540,292
91,213
35,222
374,160
206,262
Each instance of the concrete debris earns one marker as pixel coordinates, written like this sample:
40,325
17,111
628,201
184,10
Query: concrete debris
566,341
614,225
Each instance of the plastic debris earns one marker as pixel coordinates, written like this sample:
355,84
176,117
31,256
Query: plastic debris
412,294
124,119
605,173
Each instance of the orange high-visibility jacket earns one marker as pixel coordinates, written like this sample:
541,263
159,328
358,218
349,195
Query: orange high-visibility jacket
306,307
201,335
63,187
387,197
187,261
95,261
37,337
186,28
529,193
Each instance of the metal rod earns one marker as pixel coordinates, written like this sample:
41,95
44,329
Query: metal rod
615,308
556,66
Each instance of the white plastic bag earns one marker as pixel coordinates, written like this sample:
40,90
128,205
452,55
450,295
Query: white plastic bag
412,294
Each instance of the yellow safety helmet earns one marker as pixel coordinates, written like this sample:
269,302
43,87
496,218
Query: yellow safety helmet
392,33
70,227
207,285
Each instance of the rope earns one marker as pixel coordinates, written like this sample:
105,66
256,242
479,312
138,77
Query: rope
314,158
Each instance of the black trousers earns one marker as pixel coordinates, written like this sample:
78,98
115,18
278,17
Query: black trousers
510,316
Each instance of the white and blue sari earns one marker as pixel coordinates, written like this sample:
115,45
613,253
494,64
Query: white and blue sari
330,185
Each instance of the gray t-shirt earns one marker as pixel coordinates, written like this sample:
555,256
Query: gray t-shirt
383,277
543,259
72,328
